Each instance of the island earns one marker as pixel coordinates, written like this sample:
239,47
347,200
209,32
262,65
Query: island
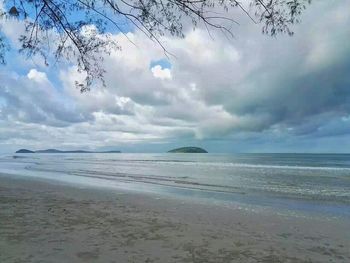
24,151
188,150
59,151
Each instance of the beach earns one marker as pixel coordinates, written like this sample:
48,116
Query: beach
174,131
48,221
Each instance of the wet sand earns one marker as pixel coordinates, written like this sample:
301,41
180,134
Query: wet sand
50,222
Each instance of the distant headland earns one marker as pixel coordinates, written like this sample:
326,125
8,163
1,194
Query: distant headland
188,150
59,151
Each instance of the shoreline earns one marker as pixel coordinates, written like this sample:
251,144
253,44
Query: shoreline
272,204
45,221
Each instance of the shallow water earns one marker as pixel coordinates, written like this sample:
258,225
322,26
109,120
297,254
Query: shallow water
297,182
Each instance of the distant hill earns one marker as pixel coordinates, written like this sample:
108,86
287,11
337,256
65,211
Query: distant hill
188,150
49,151
59,151
24,151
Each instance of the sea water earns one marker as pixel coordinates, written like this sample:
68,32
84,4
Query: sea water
317,183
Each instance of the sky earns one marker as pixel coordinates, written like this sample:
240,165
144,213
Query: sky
252,93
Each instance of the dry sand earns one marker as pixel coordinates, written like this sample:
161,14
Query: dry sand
46,222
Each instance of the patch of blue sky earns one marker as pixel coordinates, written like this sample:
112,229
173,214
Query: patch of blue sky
164,63
120,25
13,64
2,102
113,23
20,67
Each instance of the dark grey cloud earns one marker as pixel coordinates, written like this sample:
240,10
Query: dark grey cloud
284,81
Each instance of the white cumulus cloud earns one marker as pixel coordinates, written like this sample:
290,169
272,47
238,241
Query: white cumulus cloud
159,72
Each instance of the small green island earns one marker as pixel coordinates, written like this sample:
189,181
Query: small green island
188,150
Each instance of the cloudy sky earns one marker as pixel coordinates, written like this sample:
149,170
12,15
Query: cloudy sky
252,93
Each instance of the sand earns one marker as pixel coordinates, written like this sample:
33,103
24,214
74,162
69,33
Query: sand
50,222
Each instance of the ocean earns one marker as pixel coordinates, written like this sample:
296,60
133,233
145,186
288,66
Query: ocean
288,183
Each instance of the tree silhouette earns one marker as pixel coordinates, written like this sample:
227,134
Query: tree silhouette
79,30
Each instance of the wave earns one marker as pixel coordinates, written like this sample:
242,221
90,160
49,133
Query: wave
224,164
176,162
185,182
